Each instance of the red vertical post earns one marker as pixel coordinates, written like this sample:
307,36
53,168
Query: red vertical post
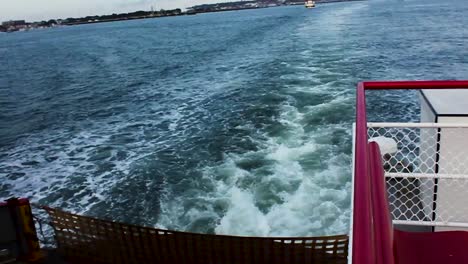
27,241
381,210
363,236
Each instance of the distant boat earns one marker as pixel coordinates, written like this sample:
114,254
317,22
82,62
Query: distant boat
309,4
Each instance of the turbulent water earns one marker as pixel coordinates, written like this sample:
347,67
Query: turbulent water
229,123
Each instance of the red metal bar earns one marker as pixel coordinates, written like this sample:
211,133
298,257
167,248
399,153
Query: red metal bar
407,85
21,201
380,207
363,237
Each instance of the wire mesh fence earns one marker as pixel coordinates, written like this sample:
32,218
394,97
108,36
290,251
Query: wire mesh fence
83,239
426,172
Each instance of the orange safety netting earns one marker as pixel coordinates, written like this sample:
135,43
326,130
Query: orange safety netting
82,239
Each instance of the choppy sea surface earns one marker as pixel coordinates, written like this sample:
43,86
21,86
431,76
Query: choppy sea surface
229,123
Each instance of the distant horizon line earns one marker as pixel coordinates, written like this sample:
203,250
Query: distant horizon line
104,14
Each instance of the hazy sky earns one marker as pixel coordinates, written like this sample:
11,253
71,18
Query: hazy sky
33,10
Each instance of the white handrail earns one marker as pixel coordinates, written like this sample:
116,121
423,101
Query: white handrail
429,223
418,125
426,175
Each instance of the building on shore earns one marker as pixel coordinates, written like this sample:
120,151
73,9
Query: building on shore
14,23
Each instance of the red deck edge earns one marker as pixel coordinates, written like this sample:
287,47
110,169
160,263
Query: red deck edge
365,245
21,201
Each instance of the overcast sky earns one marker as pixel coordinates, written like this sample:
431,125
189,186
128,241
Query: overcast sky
33,10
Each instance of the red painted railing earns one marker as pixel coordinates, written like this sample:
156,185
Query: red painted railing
372,240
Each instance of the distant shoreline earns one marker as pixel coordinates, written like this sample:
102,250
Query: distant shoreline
204,12
150,17
209,8
116,20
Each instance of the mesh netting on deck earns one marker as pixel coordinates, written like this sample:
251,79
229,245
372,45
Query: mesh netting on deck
426,173
89,240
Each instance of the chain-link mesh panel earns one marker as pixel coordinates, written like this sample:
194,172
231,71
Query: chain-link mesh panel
83,239
426,174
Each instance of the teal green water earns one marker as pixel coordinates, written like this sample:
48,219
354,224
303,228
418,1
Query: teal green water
230,123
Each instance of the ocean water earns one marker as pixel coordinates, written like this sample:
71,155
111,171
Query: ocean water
229,123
